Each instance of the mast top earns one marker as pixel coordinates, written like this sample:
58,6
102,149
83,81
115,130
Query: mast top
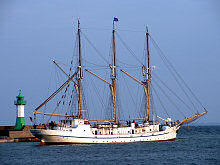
147,29
114,20
78,23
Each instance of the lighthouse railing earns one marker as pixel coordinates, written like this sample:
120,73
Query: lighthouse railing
20,102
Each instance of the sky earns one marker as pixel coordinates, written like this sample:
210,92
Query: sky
32,33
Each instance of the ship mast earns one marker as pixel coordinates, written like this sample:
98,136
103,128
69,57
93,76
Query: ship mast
113,86
79,77
148,77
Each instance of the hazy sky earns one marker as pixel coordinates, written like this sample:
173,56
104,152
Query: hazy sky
32,32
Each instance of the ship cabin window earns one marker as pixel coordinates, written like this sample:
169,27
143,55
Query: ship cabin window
66,122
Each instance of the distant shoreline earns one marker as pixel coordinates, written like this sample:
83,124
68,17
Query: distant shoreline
205,124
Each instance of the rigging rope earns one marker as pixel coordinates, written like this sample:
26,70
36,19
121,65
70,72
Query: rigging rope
167,64
152,102
169,98
178,75
100,54
129,92
131,66
97,93
132,53
143,106
103,66
155,75
84,104
161,103
107,29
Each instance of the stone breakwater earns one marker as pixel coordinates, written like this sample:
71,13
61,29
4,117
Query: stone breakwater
9,135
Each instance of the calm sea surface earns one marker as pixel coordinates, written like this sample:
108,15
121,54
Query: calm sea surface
198,145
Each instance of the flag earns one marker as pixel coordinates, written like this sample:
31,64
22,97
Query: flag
31,119
115,19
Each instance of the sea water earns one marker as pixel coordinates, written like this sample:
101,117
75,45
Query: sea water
194,145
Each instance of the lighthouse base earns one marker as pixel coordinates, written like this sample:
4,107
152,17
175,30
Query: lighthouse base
20,123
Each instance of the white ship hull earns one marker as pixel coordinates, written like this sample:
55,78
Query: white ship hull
85,135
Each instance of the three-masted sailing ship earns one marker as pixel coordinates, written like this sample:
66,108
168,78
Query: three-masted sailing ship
76,129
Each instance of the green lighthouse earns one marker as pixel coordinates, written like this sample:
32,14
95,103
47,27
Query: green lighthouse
20,103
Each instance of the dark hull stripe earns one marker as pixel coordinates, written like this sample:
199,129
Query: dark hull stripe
65,143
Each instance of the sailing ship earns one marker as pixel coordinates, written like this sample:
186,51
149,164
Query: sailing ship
77,129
